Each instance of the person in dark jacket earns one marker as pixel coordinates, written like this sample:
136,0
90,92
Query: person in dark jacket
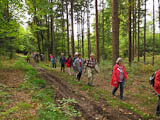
62,61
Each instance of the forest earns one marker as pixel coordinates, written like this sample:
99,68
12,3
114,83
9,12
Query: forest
108,29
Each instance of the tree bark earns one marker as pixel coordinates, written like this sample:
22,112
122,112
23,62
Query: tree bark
88,28
97,31
138,30
135,32
68,43
129,34
153,33
48,32
103,49
145,33
73,48
115,31
53,50
82,23
133,21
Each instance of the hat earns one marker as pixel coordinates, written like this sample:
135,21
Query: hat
76,53
91,54
119,60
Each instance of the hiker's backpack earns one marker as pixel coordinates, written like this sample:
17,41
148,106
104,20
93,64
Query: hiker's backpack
152,79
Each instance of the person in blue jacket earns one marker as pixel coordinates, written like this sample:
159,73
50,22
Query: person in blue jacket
63,62
53,60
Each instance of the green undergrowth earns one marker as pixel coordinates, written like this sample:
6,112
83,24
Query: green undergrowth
41,95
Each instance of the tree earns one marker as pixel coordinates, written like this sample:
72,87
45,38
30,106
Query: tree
68,45
72,22
129,33
138,30
103,49
97,32
153,33
88,28
53,49
145,10
115,31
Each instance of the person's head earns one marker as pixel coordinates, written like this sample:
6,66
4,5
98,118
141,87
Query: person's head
62,54
79,55
69,56
92,56
119,61
76,54
53,55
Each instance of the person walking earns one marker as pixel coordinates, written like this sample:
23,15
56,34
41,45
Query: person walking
90,66
157,90
28,57
53,60
119,76
69,64
79,66
62,61
74,66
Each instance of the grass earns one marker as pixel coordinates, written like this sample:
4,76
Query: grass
40,95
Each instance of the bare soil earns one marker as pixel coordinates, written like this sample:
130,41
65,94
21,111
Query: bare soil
11,79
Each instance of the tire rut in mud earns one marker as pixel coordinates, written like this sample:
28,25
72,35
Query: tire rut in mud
90,109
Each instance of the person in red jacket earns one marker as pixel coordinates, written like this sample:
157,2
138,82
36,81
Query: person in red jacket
119,76
69,64
157,90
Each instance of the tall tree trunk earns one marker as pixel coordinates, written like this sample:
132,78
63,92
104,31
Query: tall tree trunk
97,32
145,33
103,49
138,30
135,29
115,31
153,33
63,24
73,49
39,42
133,21
48,31
78,31
68,44
129,34
82,23
88,28
42,38
53,49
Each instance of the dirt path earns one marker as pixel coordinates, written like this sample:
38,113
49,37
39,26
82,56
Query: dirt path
90,109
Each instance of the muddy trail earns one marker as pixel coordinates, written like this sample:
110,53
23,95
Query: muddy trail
89,108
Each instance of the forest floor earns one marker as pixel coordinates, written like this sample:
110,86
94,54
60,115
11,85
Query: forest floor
26,94
139,98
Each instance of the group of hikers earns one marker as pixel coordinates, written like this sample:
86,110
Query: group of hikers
78,64
119,74
36,57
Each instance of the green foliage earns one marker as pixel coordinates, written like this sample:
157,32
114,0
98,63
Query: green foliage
24,105
64,111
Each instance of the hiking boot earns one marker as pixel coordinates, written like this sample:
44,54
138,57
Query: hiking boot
121,98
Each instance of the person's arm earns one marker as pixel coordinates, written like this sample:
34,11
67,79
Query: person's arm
114,76
125,73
